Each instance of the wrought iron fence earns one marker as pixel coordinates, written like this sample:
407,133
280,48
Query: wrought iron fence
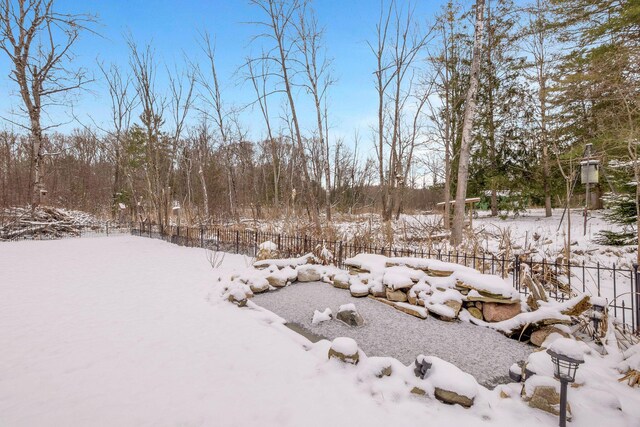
619,285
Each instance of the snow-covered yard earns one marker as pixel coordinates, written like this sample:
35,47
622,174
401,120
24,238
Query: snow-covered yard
132,331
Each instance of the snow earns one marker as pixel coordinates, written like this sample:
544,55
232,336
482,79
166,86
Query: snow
488,283
345,345
370,262
268,246
358,288
347,307
389,332
398,277
446,376
540,381
430,264
322,316
130,331
284,262
570,348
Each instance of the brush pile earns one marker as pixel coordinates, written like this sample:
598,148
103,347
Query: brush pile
44,222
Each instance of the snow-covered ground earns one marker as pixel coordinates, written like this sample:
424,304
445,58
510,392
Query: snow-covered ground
132,331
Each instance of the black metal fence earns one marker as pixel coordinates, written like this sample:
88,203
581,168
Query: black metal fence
619,285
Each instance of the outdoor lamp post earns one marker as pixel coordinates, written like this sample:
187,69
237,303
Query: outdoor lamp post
565,368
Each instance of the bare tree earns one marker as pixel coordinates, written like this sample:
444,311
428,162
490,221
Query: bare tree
399,41
318,80
38,41
539,41
259,81
467,125
279,29
123,101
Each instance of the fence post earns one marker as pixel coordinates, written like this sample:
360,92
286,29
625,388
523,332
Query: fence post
255,243
237,241
107,228
201,236
516,273
339,254
636,299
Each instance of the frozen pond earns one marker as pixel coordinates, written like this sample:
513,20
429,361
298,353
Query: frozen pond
484,353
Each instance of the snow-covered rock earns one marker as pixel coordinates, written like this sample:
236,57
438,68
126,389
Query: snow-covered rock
359,290
322,316
495,312
487,285
451,385
308,273
341,281
348,314
344,349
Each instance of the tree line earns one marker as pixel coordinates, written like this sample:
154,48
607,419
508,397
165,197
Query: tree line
491,98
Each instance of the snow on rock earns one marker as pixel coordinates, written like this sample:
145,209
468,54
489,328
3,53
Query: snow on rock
440,297
536,381
359,290
547,314
282,277
488,283
268,246
308,273
345,349
378,367
570,348
322,316
430,265
341,281
631,359
450,383
399,277
285,262
371,263
540,363
442,283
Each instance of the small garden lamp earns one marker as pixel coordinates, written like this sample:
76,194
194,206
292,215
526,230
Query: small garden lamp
565,368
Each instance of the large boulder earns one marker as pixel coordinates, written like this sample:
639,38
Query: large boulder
258,285
359,290
349,315
496,312
276,280
542,392
451,385
454,305
538,337
308,273
267,250
397,295
344,349
341,281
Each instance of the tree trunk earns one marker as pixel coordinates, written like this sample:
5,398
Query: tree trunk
467,124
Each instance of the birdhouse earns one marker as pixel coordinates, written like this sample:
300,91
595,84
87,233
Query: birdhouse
589,171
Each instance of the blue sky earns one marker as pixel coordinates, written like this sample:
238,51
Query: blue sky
172,27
